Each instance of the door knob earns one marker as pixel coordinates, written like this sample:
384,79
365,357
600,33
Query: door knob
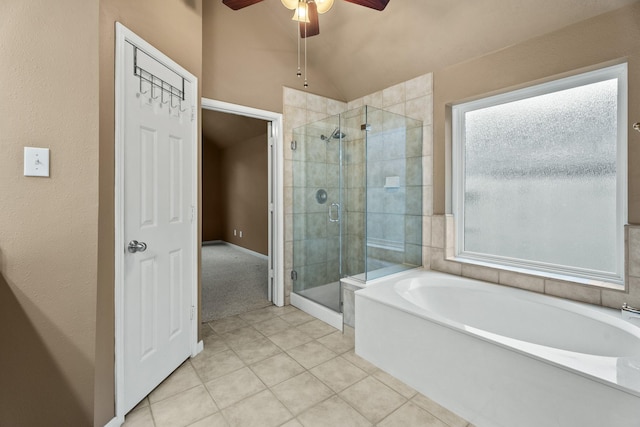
135,246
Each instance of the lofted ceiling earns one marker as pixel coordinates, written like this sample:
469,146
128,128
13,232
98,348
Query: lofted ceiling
426,35
360,51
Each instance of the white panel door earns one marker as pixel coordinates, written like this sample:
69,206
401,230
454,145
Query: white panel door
157,213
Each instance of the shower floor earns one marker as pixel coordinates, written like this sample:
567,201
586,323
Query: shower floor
327,295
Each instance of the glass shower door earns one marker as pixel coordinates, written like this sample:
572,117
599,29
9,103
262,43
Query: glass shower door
317,212
357,200
382,159
393,193
354,194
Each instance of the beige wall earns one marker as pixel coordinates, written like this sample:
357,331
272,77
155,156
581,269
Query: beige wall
48,226
612,37
244,182
235,193
175,28
57,283
238,69
212,203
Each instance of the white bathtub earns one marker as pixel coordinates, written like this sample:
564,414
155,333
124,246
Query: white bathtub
500,356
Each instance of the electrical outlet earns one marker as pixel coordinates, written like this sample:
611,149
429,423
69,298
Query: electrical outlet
241,234
235,232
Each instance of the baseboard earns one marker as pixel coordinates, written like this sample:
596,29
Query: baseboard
197,348
212,242
249,251
240,248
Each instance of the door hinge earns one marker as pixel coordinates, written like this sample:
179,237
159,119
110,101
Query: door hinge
271,274
294,145
193,113
193,213
193,312
294,275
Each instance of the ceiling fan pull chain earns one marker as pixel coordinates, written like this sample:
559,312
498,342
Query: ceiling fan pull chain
298,37
306,85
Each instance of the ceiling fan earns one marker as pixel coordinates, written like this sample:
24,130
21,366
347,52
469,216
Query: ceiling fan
307,10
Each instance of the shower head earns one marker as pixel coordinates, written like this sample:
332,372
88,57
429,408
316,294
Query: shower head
336,134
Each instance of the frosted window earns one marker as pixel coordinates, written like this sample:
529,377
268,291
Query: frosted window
539,180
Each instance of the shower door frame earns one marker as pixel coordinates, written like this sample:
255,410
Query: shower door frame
316,309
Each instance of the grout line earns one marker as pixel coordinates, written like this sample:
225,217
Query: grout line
434,415
234,352
175,394
153,418
354,408
397,409
212,399
285,353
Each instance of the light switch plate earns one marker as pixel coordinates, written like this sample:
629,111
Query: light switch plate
36,161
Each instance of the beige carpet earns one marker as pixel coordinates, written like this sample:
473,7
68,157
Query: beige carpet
233,281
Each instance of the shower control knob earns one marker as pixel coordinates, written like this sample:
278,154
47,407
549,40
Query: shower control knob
321,196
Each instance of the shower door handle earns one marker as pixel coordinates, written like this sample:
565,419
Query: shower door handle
335,218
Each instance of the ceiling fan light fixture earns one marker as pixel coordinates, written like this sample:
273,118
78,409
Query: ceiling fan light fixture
323,5
290,4
302,13
306,14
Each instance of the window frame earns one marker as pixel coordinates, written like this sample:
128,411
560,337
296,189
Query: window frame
585,276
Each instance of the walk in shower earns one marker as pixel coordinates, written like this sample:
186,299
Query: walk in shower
357,201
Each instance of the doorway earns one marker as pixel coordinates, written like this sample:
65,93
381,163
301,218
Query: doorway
249,225
235,214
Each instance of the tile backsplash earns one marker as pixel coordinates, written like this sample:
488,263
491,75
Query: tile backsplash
441,259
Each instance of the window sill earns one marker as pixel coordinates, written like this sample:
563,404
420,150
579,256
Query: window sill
546,275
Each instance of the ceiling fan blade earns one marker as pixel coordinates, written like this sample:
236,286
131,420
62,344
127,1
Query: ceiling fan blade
313,26
373,4
239,4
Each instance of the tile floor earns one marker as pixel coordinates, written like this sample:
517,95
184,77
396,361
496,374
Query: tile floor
278,366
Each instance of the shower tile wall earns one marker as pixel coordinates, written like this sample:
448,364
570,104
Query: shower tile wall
413,99
405,211
301,108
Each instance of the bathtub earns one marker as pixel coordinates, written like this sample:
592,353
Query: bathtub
500,356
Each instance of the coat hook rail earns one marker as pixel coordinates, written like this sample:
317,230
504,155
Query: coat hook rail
155,82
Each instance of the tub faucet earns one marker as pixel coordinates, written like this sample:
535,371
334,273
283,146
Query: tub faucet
629,312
